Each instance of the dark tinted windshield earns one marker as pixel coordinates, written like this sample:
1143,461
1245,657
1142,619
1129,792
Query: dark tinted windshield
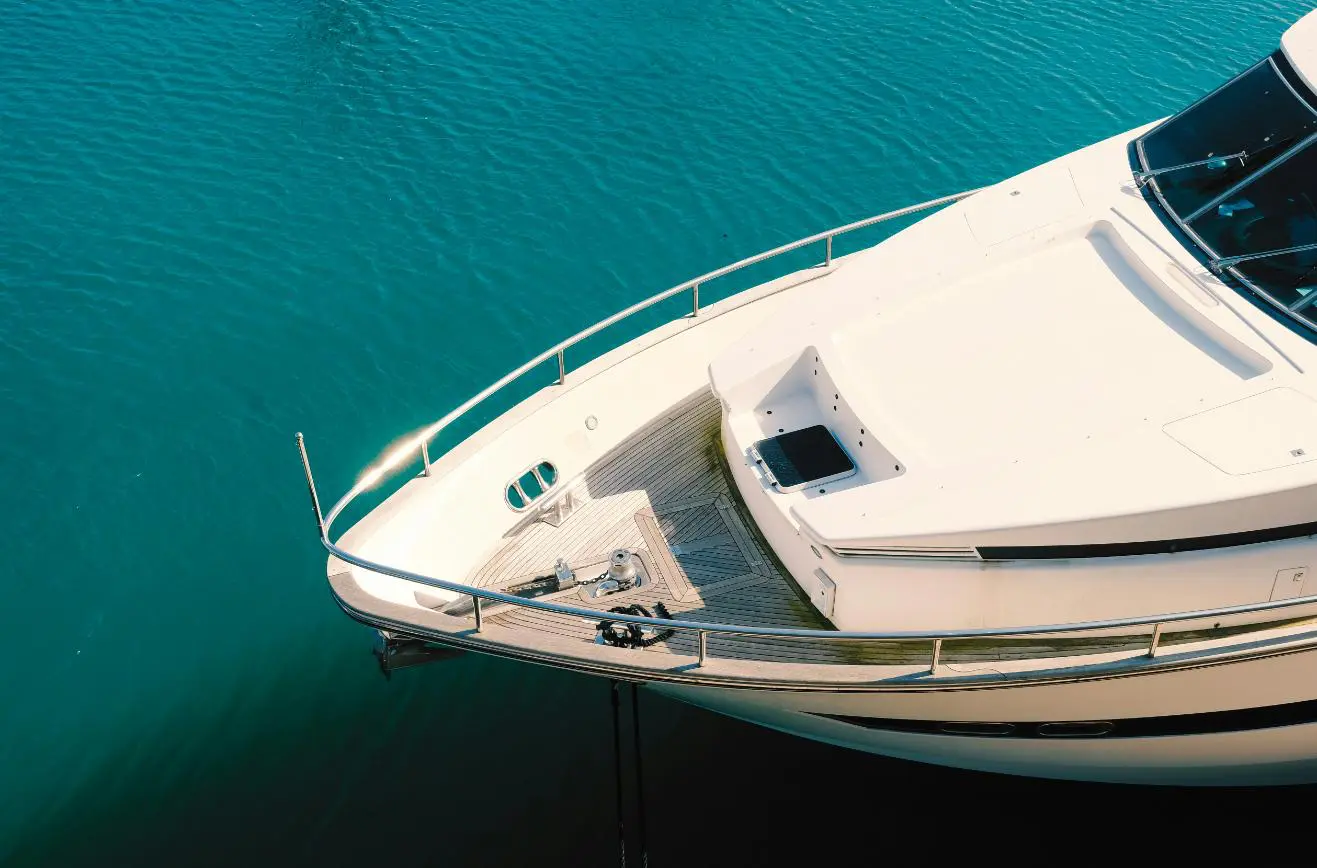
1274,211
1247,212
1258,114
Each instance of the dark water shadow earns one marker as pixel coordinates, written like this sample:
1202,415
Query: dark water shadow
486,762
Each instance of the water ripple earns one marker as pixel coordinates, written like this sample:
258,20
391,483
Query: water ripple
223,222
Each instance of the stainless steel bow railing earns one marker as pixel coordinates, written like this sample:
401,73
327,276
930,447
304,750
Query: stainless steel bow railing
421,443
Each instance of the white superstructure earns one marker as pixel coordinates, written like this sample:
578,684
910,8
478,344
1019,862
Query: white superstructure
1031,486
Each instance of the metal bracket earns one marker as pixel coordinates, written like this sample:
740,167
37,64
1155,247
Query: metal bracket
1143,177
559,511
1221,263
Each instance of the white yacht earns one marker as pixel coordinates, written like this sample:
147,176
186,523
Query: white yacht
1028,487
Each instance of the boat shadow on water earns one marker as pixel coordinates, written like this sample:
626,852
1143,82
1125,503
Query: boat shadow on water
479,761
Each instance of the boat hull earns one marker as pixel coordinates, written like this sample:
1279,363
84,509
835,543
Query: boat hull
1243,723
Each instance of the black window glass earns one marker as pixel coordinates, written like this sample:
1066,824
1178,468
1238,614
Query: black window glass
1277,210
1256,114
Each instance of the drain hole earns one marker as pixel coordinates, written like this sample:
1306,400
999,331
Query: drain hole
1076,728
971,728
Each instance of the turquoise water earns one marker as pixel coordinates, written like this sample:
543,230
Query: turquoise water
221,223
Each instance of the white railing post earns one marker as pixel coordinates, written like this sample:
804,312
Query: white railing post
695,299
827,258
562,367
704,647
425,457
937,655
1156,640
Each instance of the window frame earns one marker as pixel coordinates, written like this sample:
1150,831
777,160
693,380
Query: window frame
1183,223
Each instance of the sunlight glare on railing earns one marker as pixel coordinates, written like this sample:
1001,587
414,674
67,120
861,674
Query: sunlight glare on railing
395,456
392,457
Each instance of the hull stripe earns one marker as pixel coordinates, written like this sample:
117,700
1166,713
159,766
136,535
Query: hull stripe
1147,547
1203,723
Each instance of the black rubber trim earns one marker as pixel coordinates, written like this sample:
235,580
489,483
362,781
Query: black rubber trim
1147,547
1205,723
1292,76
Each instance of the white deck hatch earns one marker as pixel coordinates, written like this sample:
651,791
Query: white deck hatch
1276,428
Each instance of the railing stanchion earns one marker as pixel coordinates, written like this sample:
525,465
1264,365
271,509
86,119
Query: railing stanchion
937,654
480,619
1156,640
827,259
311,485
562,367
695,299
425,456
704,646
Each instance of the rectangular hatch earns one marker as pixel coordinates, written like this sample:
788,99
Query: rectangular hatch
1272,429
798,459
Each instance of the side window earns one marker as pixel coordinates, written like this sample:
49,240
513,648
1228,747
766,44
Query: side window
531,485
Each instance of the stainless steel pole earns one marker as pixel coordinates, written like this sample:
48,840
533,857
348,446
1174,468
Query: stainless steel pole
311,484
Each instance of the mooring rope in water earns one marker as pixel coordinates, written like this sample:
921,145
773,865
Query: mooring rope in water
617,768
615,687
640,776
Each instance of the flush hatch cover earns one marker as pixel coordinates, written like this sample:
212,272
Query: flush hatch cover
1013,208
1273,429
797,459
